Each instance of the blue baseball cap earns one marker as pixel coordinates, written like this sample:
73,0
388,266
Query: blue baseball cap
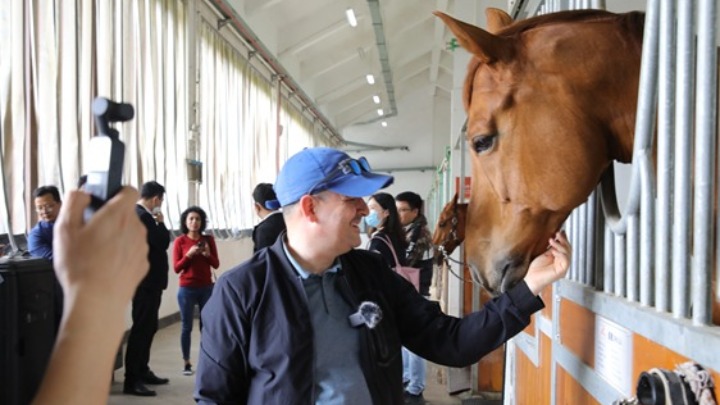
318,169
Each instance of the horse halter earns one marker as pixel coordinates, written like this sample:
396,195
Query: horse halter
452,237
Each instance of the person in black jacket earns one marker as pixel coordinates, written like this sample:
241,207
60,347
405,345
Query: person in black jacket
271,223
314,320
146,302
410,209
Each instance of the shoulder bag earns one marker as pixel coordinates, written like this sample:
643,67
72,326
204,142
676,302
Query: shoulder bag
411,274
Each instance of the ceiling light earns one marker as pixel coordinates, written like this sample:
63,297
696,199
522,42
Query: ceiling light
376,99
380,112
370,79
350,14
384,124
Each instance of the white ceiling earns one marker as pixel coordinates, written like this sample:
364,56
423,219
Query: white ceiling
329,60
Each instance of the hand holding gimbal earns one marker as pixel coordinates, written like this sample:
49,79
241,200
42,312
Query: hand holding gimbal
106,153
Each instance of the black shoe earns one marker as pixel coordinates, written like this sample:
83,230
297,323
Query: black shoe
138,389
412,399
188,369
151,379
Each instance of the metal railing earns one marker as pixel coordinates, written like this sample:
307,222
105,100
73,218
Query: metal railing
659,251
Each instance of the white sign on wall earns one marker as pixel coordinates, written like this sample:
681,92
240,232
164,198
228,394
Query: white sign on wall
613,354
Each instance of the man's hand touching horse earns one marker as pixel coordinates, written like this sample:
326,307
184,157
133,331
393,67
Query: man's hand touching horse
551,265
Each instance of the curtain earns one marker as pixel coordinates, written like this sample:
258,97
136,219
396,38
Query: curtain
220,108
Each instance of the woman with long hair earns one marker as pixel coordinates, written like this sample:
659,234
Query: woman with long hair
193,256
384,218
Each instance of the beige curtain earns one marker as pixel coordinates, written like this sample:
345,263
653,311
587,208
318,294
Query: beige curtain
61,54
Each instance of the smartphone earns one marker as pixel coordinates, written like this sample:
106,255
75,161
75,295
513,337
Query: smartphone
201,244
106,154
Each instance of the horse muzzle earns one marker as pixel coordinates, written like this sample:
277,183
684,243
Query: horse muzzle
511,271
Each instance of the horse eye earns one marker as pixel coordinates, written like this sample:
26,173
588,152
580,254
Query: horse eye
481,143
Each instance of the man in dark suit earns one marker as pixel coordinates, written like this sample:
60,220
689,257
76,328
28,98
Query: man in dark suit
271,223
146,302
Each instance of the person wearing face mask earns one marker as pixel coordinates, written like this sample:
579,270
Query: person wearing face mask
146,302
384,218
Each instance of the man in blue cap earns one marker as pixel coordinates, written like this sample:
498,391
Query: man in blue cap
313,320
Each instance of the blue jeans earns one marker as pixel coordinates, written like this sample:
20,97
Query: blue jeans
188,297
413,372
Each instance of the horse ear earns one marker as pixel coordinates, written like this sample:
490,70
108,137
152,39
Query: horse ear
497,19
455,199
484,45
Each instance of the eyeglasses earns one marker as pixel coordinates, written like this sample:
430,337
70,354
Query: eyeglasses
45,208
347,166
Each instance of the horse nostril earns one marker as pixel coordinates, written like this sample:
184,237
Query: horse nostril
507,267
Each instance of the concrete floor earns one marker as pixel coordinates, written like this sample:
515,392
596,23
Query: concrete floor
166,361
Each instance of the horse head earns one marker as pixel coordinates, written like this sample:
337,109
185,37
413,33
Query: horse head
550,103
450,228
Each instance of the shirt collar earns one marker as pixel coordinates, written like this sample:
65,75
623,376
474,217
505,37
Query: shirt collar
143,205
304,274
270,214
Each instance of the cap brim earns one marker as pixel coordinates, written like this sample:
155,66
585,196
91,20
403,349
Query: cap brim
272,205
360,185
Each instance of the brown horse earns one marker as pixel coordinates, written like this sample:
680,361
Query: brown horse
450,229
551,103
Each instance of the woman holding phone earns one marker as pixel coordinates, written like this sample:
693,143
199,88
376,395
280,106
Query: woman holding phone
193,256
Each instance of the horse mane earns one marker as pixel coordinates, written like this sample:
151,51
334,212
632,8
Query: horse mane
632,23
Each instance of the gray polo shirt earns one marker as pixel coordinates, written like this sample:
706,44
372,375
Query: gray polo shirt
338,376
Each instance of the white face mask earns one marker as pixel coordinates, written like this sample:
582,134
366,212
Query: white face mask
156,210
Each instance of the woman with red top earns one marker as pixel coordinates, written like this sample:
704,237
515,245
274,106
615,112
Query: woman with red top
193,255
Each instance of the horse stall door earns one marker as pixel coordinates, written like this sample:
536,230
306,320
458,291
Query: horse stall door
489,370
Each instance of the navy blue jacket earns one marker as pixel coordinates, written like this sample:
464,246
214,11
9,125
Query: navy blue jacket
267,231
257,337
40,240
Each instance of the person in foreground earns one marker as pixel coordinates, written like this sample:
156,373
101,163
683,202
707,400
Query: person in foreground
313,320
99,265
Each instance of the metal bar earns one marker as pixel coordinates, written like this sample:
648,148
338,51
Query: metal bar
581,247
647,97
574,236
608,269
590,240
704,154
633,244
683,138
620,281
645,119
666,129
646,231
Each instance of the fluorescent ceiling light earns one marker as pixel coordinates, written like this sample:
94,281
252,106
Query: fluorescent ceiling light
370,79
376,99
380,112
350,14
384,124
